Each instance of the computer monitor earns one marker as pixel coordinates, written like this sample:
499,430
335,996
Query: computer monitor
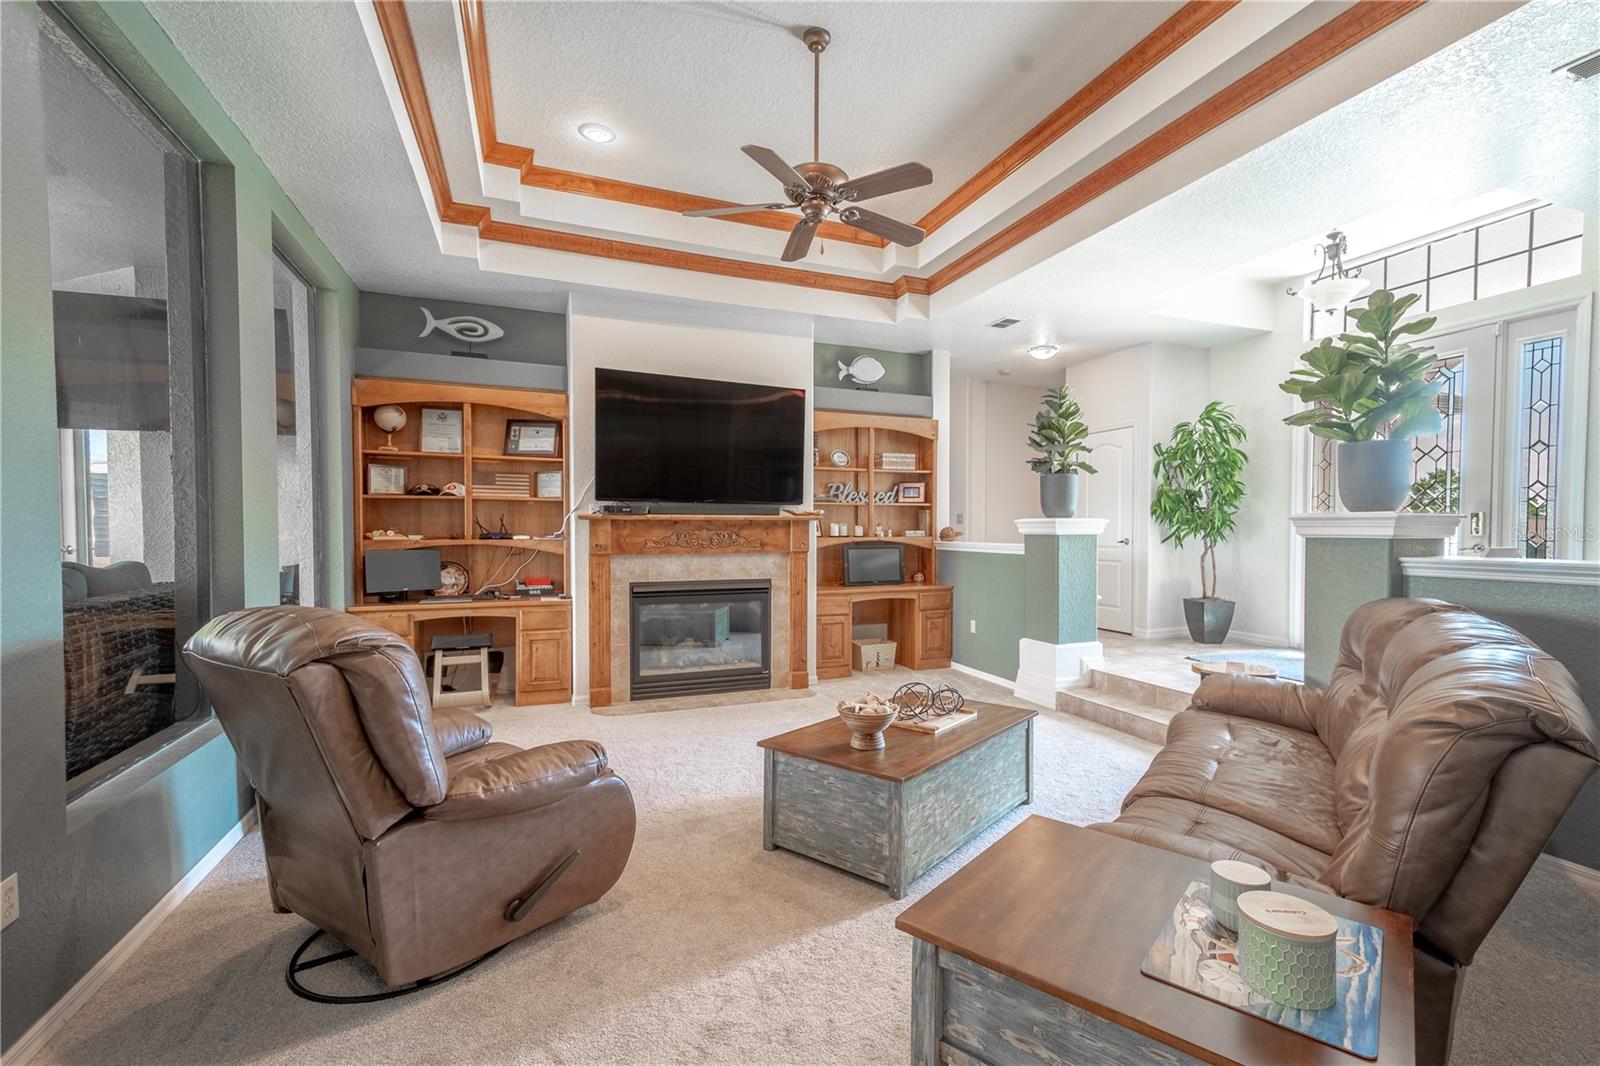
872,564
393,573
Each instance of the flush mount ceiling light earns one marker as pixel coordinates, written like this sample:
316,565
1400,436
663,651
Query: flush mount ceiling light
1334,286
593,131
1043,351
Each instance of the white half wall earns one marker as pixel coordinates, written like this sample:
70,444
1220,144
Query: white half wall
668,339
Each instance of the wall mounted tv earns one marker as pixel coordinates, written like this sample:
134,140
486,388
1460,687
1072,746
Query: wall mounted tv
660,439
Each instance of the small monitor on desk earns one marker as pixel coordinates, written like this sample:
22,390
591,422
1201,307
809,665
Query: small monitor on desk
392,574
872,564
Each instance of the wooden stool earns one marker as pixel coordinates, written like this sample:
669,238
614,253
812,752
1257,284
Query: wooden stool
461,651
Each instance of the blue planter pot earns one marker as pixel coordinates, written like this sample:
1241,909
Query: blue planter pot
1374,475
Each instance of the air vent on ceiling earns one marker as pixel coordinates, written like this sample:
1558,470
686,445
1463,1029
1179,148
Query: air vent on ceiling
1583,67
1004,323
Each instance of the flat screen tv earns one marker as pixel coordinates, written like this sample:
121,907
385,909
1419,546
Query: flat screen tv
661,439
872,564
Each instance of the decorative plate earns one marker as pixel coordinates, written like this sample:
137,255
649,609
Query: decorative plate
839,457
453,580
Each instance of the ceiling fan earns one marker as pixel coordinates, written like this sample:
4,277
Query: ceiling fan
819,188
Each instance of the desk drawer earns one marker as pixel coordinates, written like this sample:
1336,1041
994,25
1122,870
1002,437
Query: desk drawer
547,616
394,621
935,600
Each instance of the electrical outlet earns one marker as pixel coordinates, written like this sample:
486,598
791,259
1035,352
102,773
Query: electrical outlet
972,625
10,904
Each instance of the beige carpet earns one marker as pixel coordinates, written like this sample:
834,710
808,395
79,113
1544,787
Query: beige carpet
709,949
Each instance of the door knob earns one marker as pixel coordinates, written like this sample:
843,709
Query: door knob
1124,540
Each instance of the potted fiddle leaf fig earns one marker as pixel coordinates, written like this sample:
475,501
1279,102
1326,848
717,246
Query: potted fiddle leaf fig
1369,390
1057,434
1199,475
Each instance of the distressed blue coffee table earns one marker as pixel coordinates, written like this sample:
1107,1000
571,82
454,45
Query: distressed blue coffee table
890,815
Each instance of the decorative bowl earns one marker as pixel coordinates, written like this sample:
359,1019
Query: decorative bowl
867,719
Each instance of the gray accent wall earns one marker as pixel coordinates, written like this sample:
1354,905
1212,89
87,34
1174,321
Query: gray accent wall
531,355
1564,620
88,872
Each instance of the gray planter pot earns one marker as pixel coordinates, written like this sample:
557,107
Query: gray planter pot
1209,619
1058,495
1374,475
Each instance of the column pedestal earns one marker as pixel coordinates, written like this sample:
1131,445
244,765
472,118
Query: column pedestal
1060,605
1352,558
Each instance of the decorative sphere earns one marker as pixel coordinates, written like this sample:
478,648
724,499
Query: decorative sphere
391,418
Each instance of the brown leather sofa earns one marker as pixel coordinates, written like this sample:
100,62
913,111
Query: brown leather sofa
402,831
1425,779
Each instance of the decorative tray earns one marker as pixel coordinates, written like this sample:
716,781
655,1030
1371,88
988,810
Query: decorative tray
1196,954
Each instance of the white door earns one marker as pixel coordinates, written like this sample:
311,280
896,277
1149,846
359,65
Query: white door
1108,494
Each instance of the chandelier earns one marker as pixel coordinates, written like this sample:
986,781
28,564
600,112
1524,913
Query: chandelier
1334,285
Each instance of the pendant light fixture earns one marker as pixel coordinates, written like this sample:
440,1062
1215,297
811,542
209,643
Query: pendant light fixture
1334,285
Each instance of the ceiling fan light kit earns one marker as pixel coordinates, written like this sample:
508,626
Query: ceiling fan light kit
819,189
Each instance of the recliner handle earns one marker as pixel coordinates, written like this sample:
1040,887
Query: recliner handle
518,909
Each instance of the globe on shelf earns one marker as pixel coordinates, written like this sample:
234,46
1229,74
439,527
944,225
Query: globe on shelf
391,418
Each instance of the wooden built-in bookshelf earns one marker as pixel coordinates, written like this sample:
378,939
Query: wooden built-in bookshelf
864,438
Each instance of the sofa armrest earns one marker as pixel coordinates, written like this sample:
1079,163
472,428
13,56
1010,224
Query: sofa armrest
460,730
1282,703
521,781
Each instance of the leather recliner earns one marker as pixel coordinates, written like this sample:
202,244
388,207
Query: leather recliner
402,831
1424,779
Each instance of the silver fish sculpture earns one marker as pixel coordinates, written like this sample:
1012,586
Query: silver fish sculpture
864,370
469,328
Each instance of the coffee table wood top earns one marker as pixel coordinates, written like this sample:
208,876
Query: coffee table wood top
907,753
1072,912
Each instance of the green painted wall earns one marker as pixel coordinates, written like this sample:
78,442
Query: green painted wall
910,373
988,591
88,874
1060,574
1342,573
1564,620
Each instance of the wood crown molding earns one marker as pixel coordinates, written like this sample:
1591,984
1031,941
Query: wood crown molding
1323,44
1165,39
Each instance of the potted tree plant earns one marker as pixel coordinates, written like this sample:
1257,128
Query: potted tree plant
1057,435
1369,390
1199,476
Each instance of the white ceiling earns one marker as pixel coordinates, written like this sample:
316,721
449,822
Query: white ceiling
685,84
298,81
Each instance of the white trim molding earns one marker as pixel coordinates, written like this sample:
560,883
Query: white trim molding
982,548
1062,527
56,1018
993,679
1386,525
1518,571
1045,669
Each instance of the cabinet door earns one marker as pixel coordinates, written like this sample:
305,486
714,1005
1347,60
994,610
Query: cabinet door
833,645
935,636
546,665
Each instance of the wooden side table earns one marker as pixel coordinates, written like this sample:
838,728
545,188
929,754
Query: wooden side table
1031,952
890,815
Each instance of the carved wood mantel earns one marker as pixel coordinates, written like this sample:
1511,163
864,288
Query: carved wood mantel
639,534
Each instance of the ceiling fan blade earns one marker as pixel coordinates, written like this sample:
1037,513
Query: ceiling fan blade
773,164
735,209
883,182
882,225
799,240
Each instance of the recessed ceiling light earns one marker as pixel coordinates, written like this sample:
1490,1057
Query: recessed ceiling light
593,131
1043,351
1005,372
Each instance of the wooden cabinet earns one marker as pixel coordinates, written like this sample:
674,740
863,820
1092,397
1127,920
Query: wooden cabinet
833,646
918,617
934,628
544,669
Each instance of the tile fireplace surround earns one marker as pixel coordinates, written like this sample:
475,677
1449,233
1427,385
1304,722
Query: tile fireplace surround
628,548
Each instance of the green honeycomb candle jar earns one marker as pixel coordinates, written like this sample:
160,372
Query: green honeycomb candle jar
1287,949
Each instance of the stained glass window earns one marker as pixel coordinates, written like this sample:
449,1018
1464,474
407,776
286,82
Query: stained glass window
1539,434
1321,474
1436,460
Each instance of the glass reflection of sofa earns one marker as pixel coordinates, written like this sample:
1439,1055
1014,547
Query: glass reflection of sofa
118,630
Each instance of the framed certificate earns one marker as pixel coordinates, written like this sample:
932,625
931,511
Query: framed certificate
441,430
549,485
533,438
386,480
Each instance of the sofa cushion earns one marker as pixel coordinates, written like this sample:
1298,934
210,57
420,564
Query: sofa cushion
74,583
1278,778
1209,834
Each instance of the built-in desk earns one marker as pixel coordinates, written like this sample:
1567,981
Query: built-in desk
918,617
539,630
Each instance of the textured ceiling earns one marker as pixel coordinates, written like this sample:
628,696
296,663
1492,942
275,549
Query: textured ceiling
685,84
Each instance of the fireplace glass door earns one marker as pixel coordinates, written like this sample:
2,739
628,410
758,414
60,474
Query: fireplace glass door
700,636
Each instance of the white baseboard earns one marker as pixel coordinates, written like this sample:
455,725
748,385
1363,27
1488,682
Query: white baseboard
993,679
1046,669
1237,636
56,1018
